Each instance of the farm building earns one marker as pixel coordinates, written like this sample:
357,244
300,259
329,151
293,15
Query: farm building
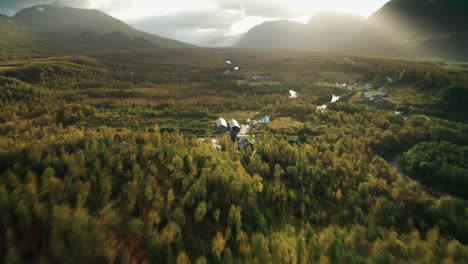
234,125
221,124
265,120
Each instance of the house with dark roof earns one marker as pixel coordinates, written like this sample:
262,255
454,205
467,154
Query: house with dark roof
246,144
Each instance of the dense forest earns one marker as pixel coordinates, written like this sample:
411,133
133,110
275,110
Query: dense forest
442,164
101,160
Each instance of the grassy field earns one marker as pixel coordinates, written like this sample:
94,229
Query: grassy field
410,95
284,124
241,116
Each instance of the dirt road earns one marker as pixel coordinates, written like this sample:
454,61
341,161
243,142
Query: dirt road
396,162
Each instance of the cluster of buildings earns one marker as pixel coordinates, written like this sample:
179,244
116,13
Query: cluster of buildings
234,128
238,132
346,86
382,94
258,78
352,87
232,125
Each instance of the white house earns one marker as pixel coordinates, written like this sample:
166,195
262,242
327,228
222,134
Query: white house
221,124
234,125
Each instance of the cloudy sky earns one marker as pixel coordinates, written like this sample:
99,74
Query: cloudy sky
196,21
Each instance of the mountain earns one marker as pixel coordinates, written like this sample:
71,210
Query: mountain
324,32
16,40
68,22
433,28
282,34
426,27
333,32
89,42
228,41
423,17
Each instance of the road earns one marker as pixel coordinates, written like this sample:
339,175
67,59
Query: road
396,162
348,60
389,81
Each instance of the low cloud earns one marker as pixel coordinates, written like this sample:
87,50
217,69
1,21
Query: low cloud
7,12
261,8
298,8
203,19
190,26
192,36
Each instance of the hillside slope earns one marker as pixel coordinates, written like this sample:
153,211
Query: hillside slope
89,42
70,22
333,32
422,17
15,39
425,28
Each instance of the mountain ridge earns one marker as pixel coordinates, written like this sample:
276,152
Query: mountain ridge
271,35
73,21
398,28
55,29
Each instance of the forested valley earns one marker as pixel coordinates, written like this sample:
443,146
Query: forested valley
101,160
